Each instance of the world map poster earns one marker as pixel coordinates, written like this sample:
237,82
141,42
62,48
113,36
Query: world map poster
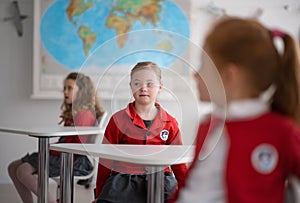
104,39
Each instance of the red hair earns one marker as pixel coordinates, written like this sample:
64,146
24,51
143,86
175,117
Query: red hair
249,44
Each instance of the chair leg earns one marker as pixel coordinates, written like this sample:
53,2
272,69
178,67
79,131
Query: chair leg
58,193
86,182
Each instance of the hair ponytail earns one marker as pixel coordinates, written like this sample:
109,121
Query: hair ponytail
286,97
250,44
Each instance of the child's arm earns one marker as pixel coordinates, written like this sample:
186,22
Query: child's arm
293,144
201,135
82,118
176,139
105,166
102,175
179,170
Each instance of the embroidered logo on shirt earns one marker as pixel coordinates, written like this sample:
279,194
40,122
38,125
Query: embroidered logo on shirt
164,134
264,158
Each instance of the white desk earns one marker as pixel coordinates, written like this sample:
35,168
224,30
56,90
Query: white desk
155,157
43,134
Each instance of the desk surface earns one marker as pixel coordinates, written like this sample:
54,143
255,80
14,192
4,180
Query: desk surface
51,131
154,155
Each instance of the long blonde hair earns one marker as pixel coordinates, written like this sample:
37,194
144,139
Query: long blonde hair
86,98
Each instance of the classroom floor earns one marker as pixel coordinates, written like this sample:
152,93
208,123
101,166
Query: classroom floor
81,194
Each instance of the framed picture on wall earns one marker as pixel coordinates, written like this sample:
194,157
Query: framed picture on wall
105,39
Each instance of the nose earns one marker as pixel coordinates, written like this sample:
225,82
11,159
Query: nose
143,87
65,91
196,75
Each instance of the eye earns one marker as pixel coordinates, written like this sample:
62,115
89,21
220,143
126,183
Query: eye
137,84
150,84
70,88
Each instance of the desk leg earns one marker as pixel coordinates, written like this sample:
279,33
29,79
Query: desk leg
66,178
155,192
43,170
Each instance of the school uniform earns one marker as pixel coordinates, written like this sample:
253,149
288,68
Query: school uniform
245,159
82,165
127,127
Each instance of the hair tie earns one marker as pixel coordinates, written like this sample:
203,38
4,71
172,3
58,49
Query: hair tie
277,33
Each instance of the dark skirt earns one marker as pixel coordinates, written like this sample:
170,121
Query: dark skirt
124,188
82,165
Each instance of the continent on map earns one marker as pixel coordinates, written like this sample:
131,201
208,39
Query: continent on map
121,27
88,37
165,45
77,7
125,13
87,32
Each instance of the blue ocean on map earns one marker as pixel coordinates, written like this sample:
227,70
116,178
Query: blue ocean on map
163,38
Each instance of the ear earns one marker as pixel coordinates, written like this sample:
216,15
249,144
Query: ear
231,73
160,85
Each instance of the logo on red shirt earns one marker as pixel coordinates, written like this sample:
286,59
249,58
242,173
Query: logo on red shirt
164,134
264,158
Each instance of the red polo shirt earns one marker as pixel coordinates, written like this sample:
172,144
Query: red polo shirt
82,118
127,127
246,178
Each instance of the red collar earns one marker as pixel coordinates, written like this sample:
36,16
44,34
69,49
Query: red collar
159,119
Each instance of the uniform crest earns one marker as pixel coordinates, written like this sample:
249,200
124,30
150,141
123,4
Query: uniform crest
164,134
264,158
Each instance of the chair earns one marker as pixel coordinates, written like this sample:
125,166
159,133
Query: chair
292,190
87,179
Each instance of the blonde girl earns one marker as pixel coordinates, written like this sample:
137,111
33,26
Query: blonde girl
80,108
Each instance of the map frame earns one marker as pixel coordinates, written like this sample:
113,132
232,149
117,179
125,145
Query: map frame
49,85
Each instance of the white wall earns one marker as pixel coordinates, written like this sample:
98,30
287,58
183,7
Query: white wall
16,72
16,106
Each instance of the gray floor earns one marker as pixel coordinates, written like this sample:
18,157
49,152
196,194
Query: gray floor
81,194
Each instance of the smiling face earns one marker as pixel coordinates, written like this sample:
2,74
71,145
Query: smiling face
145,86
70,91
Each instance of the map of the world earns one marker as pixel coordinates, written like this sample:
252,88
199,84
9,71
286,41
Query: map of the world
104,32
